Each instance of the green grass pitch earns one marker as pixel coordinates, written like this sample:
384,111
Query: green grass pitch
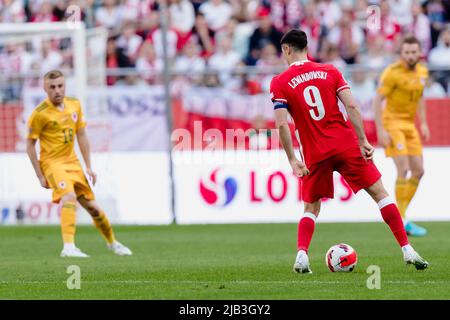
224,262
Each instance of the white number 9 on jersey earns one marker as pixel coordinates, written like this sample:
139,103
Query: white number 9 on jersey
309,93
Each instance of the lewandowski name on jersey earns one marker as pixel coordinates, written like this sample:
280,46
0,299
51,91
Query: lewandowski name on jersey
307,77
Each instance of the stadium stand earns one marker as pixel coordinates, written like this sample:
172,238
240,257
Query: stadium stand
209,40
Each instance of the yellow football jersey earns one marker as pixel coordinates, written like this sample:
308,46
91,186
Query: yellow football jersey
56,132
403,89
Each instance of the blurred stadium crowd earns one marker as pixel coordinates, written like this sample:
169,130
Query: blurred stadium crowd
218,36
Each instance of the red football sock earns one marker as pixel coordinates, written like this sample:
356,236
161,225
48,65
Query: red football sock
391,215
306,227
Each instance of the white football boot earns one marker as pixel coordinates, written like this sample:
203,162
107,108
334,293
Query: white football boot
119,249
72,252
301,264
412,257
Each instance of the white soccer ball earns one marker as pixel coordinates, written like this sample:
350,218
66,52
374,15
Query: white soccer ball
341,258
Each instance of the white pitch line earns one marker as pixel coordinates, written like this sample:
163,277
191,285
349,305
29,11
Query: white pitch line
202,282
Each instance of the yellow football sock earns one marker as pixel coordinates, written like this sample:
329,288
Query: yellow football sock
103,225
401,186
411,188
68,220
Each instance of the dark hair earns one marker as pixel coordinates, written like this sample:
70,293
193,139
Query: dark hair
410,39
296,39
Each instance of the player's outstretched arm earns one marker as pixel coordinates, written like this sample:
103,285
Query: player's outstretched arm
83,143
423,120
281,122
383,137
355,117
31,151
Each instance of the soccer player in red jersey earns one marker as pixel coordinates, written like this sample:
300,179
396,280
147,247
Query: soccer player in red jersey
309,92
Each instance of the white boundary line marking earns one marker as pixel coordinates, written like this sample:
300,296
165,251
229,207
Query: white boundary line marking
201,282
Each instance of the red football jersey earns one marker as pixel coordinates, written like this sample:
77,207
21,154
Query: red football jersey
309,91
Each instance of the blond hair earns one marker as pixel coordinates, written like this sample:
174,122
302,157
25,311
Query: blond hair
54,74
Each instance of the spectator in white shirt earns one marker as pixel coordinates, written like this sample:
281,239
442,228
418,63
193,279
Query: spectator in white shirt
363,89
148,64
223,61
217,13
329,13
129,41
172,40
376,57
244,10
440,55
189,63
420,27
388,27
361,7
240,34
401,9
156,38
433,89
137,9
109,15
313,29
12,11
347,36
182,15
48,58
15,59
269,59
331,55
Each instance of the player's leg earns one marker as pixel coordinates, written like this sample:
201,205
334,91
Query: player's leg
417,171
63,191
68,217
415,163
391,216
316,185
398,150
401,184
86,198
306,228
416,167
68,226
389,211
103,225
99,217
362,174
306,225
406,151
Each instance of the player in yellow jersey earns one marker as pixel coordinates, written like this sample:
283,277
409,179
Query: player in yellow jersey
401,87
55,123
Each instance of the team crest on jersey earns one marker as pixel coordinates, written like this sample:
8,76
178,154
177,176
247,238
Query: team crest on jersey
400,146
74,116
62,184
423,81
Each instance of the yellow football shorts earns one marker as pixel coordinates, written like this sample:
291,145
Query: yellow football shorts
405,139
62,181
